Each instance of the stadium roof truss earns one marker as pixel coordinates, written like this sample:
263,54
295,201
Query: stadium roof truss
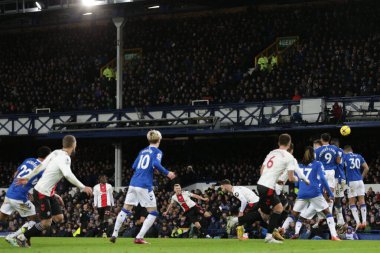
192,120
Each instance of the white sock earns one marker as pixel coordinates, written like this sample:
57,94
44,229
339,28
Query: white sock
331,205
331,223
268,236
298,227
23,228
147,224
363,209
287,222
339,215
119,221
355,213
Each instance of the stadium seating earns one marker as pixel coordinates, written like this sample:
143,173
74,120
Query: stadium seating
185,59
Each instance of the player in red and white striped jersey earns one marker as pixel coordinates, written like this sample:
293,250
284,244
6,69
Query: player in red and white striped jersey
103,201
192,211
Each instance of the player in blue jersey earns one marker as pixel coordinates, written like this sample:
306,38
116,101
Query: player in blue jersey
329,156
16,198
340,184
310,198
354,163
140,190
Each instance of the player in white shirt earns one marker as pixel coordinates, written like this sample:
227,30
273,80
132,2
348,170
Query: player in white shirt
103,201
55,167
192,211
276,162
249,210
284,178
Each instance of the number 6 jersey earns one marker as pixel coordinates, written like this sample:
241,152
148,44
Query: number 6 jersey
276,162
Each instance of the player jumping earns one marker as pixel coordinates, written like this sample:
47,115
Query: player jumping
140,189
340,184
276,162
354,162
192,211
55,167
329,156
16,198
310,199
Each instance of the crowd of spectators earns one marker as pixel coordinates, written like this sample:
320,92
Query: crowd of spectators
79,212
188,58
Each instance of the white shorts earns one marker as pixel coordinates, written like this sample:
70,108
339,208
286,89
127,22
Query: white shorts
339,190
25,209
317,204
330,177
300,205
136,195
356,188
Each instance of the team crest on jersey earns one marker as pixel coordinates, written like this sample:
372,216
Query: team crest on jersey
236,194
159,156
68,160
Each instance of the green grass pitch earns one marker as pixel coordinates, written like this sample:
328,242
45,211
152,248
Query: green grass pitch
125,245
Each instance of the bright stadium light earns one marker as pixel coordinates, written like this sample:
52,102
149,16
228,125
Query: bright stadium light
87,13
154,7
39,5
88,2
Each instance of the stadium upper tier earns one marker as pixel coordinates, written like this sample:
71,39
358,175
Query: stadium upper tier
194,57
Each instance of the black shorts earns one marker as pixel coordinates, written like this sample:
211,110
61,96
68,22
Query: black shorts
284,200
194,214
251,215
46,206
104,213
268,199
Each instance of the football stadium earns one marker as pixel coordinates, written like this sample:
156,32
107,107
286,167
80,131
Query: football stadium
189,126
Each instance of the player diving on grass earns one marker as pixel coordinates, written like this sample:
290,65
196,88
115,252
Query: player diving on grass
16,198
310,198
192,211
54,167
140,189
354,162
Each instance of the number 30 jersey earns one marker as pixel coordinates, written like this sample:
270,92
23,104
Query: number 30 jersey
353,163
20,192
144,165
276,162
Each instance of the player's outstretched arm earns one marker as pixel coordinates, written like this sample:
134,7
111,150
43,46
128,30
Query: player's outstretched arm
69,175
168,209
196,196
301,175
291,176
24,180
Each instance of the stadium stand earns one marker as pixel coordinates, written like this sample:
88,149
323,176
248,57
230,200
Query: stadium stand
185,59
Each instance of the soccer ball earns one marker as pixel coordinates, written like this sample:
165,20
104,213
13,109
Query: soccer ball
345,130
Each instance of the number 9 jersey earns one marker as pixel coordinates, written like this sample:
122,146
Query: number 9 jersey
144,165
20,192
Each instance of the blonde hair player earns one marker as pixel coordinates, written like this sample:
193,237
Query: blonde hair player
140,190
